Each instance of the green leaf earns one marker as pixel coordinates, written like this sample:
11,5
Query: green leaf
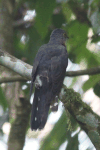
44,11
77,45
67,11
91,82
93,60
73,143
96,89
97,57
77,40
58,20
95,39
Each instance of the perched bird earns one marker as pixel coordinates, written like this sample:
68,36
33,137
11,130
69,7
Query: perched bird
48,73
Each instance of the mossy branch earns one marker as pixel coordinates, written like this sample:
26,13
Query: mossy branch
87,119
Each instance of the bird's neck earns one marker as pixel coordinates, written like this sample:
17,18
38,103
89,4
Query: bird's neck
55,41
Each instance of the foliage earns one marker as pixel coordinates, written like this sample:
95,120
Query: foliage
76,17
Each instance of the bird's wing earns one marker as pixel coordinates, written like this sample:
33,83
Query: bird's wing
58,69
35,65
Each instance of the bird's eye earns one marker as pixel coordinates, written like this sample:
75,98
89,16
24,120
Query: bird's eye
64,34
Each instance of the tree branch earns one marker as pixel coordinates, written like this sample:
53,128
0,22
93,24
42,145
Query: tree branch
15,64
21,22
25,69
83,114
91,71
12,79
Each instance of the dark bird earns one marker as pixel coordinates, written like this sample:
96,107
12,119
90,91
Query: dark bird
48,73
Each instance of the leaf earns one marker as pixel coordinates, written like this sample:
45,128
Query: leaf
77,45
91,82
73,143
96,89
93,60
97,57
44,11
95,39
67,11
58,20
77,40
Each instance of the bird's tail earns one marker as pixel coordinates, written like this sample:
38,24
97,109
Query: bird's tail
40,109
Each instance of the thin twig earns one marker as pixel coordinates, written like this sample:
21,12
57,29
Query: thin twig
22,22
91,71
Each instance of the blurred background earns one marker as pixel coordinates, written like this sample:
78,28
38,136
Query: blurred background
24,26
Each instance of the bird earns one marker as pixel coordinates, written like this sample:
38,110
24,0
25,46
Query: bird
49,68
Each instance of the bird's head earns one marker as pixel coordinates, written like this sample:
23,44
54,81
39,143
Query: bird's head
59,36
